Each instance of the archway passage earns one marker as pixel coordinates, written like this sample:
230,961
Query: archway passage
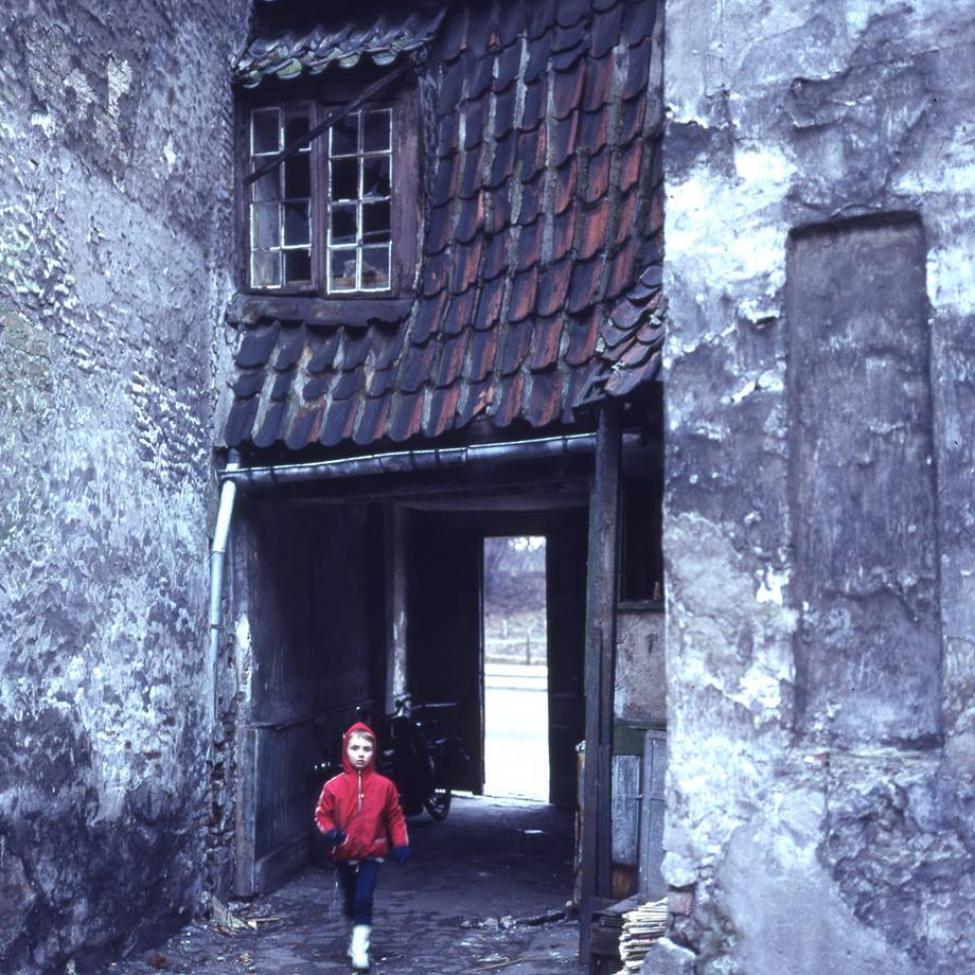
349,604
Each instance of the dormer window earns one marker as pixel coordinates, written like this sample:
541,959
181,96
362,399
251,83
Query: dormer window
360,179
336,217
280,200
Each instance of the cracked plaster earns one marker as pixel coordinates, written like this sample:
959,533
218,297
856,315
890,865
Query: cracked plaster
114,258
806,856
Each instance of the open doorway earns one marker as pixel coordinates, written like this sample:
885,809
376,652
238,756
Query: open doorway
516,721
447,659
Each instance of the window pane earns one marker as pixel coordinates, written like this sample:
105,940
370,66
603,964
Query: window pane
345,179
297,265
265,232
295,126
344,225
265,134
297,176
296,223
377,129
344,136
375,268
342,270
265,269
375,176
375,223
266,187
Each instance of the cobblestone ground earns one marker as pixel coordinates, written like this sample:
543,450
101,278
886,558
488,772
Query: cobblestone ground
484,892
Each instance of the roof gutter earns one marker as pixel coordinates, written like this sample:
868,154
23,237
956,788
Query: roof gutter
408,461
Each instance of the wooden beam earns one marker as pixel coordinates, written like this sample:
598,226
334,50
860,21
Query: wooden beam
567,481
349,312
245,766
600,659
246,813
396,620
652,807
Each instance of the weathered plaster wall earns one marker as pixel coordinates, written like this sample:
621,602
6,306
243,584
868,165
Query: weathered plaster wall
640,681
114,200
820,616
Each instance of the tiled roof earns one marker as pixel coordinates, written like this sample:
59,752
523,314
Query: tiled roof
631,343
539,283
299,52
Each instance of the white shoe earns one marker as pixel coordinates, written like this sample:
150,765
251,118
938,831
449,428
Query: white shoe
359,949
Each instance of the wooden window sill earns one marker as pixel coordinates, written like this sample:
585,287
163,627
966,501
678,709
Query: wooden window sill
353,310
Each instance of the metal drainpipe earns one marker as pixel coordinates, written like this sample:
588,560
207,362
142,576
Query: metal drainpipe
218,551
404,461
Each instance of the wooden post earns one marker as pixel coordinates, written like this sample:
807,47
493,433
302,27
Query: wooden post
600,657
652,883
396,604
245,827
245,787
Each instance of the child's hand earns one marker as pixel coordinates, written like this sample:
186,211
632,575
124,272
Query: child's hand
335,836
401,854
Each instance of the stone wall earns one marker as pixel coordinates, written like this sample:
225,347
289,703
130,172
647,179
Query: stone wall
820,165
115,169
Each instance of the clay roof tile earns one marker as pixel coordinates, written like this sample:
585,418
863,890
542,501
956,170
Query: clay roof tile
405,415
508,63
524,289
517,344
248,383
371,420
481,351
257,345
605,30
546,337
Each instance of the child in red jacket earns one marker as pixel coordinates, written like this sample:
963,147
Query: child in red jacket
359,814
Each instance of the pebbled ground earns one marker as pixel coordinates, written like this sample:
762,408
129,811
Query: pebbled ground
484,892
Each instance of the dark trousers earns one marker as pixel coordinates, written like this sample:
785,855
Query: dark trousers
358,886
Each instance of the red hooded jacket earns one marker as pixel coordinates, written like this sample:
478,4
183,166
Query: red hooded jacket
362,804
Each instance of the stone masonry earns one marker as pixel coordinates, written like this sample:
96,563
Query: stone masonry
819,173
820,219
115,234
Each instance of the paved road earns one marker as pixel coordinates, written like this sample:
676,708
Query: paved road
528,677
449,910
516,730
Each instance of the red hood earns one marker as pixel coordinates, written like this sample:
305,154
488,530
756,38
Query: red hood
365,729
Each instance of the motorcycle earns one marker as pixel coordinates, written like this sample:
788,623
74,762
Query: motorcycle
425,765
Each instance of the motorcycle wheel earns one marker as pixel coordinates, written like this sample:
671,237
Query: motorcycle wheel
438,805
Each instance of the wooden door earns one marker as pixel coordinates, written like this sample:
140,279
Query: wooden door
566,548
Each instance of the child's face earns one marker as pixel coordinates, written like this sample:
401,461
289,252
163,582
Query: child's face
359,750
